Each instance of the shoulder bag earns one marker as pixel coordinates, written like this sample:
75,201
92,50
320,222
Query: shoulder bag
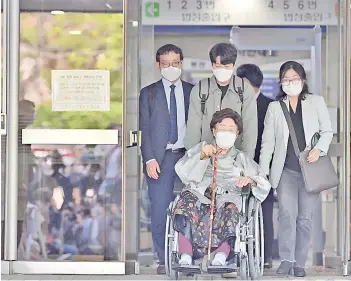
318,176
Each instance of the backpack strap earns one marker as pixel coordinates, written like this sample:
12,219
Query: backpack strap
204,97
240,90
151,97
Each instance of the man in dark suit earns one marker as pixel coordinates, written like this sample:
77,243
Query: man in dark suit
163,113
254,75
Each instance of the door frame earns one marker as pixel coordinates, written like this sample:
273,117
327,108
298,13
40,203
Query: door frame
72,136
345,86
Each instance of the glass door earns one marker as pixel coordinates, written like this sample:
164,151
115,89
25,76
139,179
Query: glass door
72,133
345,86
315,33
4,265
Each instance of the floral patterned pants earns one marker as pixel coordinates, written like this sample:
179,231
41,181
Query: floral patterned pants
223,227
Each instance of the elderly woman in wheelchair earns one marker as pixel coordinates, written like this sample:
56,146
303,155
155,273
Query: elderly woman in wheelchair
235,170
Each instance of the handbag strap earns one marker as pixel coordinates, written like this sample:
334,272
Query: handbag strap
291,128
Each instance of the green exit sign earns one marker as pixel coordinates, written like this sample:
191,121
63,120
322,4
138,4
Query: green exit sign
152,9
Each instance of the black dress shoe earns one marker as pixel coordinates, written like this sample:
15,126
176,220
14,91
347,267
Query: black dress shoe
299,272
285,268
161,270
268,264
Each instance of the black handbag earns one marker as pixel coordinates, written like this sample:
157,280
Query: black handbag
318,176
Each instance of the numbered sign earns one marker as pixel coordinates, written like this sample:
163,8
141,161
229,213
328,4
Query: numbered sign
235,12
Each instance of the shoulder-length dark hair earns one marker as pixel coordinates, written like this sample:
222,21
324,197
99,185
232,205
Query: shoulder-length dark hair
300,71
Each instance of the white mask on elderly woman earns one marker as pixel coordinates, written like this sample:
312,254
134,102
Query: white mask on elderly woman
225,139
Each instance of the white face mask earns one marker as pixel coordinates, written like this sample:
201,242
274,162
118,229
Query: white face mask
223,75
292,90
67,160
225,139
171,73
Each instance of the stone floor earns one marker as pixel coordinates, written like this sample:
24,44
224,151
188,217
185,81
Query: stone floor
149,273
153,277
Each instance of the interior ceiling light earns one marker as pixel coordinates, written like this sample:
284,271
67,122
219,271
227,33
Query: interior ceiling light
75,32
57,12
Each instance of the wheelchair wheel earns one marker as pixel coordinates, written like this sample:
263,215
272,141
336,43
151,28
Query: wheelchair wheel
244,268
252,262
255,240
170,254
259,238
167,246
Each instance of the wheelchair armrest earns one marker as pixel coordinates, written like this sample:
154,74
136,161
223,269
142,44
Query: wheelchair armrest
245,191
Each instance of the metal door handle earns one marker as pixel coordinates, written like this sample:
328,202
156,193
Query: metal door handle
3,125
134,138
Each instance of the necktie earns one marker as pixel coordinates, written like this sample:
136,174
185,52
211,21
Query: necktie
173,126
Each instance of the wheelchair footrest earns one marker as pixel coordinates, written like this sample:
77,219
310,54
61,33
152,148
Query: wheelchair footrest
220,269
187,269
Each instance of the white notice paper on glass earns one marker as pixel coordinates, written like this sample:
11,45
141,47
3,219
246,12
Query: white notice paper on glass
80,90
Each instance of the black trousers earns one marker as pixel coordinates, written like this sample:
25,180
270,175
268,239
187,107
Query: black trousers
267,209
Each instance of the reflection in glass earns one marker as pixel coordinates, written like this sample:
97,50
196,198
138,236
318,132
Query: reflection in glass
47,43
3,174
145,219
69,195
74,204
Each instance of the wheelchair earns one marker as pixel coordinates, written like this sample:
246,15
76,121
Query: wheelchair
247,252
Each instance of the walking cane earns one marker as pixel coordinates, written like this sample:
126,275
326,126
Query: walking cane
213,195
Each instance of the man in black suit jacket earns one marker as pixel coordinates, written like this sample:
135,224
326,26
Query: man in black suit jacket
254,75
163,113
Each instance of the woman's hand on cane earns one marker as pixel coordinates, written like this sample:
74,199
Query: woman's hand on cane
207,151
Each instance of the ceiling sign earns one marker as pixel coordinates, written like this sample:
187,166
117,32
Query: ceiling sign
237,12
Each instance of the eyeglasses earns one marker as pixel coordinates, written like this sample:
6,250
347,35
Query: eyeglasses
168,64
227,129
286,82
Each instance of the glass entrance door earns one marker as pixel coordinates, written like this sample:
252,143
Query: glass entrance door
317,35
72,137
